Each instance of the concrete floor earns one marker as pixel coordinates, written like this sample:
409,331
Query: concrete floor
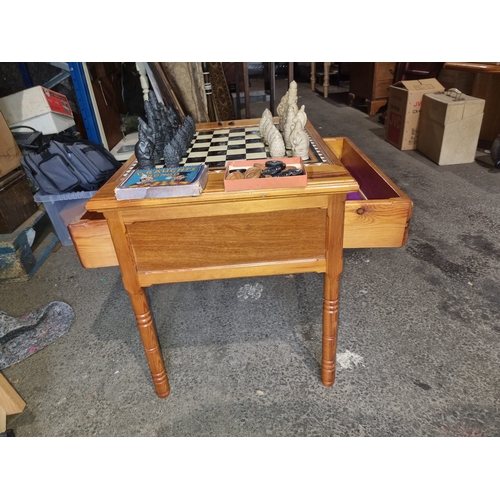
418,348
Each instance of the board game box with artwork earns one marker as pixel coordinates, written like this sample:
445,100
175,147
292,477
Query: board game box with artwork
163,182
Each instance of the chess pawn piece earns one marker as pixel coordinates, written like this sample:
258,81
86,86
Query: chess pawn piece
266,118
267,128
171,156
144,151
270,131
276,144
299,141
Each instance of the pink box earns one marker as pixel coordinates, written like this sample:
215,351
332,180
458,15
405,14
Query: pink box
267,182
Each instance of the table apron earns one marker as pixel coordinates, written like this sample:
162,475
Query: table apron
225,241
229,208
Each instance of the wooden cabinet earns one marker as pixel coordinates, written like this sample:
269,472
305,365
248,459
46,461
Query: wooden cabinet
369,84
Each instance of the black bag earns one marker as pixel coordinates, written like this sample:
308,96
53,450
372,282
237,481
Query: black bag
66,164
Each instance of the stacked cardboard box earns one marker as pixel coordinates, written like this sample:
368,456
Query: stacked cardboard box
403,111
449,127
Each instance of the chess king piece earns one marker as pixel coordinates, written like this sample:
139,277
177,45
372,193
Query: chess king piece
292,93
299,141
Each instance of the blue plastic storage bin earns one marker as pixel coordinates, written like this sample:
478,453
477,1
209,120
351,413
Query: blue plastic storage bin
63,209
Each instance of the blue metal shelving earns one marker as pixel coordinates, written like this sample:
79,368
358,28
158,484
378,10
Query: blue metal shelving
84,101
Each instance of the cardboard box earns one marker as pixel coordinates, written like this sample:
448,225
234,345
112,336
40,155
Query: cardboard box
403,111
43,109
10,154
266,182
449,127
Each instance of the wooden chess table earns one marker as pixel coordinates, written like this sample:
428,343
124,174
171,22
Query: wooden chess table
221,235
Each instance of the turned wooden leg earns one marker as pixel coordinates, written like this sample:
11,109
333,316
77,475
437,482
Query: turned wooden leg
313,76
149,339
330,327
326,79
334,252
140,303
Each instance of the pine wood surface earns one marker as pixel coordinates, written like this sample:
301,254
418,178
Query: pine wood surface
380,221
10,402
223,234
220,235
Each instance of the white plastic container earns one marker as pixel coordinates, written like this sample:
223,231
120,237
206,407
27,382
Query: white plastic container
63,209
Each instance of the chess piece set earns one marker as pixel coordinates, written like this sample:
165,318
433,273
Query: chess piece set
290,134
163,138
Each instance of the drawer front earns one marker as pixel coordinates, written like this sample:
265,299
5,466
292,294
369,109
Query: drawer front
92,241
385,71
376,223
382,218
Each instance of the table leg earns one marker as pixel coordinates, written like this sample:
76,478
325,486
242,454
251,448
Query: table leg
313,76
326,79
140,304
334,251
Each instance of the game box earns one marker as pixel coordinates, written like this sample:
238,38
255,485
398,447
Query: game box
264,182
165,182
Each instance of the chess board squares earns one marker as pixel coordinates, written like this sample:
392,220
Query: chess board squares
215,147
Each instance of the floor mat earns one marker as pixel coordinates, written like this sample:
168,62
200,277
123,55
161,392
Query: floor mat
21,337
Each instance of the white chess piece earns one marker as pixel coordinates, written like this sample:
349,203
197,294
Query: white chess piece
299,141
265,124
301,116
290,115
292,93
281,109
264,120
276,144
267,131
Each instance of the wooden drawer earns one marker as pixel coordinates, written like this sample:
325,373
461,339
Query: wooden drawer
381,215
385,71
379,218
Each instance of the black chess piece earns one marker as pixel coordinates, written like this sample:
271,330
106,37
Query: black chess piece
145,132
144,152
171,156
172,118
190,125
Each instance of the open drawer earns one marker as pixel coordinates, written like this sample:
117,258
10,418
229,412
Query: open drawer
377,216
